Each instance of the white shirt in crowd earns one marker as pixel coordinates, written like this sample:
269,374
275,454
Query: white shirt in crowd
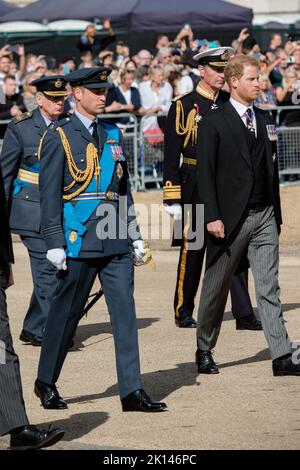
151,99
185,85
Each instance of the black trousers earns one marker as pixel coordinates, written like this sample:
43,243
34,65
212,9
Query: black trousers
12,408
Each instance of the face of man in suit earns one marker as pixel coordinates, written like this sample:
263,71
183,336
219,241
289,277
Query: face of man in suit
213,77
246,87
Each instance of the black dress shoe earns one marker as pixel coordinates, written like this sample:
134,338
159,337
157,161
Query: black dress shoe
186,322
205,362
32,437
248,323
49,396
285,367
140,401
28,337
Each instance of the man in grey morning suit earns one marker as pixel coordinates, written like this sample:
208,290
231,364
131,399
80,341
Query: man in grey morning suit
13,418
84,184
238,184
20,168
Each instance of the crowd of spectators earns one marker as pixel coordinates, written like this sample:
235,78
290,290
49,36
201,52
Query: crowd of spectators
144,83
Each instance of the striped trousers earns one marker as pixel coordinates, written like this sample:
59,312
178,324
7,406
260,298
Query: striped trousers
259,236
12,408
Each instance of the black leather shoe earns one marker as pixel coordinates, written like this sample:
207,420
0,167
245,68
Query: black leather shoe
248,323
140,401
49,396
186,322
28,337
32,437
285,367
205,362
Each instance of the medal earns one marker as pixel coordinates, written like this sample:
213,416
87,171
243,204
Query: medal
117,152
271,131
120,171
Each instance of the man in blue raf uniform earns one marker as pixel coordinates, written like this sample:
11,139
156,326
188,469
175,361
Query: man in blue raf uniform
20,166
83,177
185,117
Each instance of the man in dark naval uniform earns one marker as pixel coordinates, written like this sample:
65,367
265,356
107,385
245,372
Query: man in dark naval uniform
180,187
20,167
84,187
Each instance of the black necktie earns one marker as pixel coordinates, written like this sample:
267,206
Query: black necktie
95,133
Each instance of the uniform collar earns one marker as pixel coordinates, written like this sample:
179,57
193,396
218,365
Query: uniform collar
87,122
206,94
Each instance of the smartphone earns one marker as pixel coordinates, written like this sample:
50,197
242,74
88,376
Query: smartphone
290,59
66,69
187,26
13,48
202,42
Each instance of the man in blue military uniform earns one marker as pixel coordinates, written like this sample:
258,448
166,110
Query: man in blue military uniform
20,167
84,185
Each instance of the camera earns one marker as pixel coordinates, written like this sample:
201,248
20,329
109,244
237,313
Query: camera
290,60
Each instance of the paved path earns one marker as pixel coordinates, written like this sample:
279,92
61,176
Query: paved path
244,407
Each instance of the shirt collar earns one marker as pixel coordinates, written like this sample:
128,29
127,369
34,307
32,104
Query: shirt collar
47,120
87,122
240,107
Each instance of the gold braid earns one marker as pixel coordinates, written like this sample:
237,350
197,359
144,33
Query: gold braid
41,144
188,129
80,176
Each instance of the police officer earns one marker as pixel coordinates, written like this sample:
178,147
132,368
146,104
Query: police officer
184,118
84,188
20,167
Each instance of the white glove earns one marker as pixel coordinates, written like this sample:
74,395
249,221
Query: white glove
138,250
175,211
57,257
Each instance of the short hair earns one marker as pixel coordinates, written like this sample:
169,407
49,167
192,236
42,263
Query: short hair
9,77
235,67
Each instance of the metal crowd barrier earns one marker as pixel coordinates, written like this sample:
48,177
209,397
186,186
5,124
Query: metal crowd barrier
151,153
288,150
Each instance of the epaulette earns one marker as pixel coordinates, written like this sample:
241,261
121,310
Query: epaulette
63,120
22,117
180,96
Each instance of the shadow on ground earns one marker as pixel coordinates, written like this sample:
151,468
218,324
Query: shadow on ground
85,332
78,424
285,307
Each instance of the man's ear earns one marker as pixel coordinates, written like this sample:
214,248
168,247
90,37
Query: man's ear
234,81
201,70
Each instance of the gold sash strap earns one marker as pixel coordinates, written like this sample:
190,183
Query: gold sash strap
80,176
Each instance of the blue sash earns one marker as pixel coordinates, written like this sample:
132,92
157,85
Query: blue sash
75,216
19,184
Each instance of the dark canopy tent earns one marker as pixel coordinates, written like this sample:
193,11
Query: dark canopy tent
6,8
141,15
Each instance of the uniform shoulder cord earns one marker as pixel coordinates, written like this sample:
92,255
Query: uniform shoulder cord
79,176
189,128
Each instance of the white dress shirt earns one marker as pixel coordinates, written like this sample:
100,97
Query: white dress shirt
241,109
